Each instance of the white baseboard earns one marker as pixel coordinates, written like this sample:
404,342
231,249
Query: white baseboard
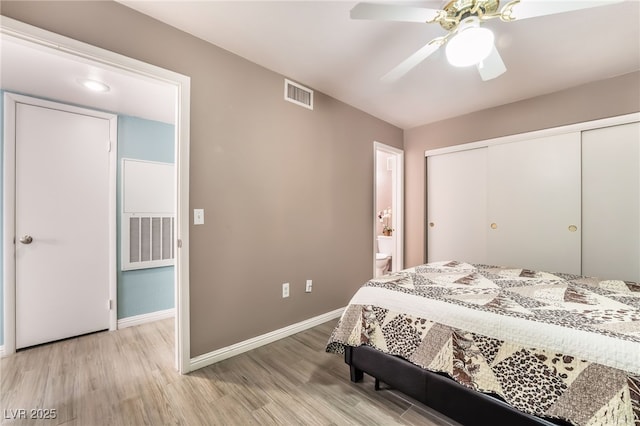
247,345
144,318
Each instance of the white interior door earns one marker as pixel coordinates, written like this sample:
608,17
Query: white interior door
62,222
611,202
534,203
457,206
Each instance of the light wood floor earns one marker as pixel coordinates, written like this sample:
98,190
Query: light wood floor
127,377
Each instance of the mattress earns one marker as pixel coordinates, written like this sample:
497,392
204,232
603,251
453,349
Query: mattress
553,345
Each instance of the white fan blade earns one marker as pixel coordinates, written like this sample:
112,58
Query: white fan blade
533,8
389,12
492,66
413,60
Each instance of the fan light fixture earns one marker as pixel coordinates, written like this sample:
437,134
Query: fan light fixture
471,44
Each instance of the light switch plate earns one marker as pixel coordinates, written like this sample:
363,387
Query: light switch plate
198,216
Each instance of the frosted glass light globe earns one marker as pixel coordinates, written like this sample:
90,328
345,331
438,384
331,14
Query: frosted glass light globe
470,45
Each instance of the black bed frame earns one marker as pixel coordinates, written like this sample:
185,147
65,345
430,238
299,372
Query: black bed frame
437,391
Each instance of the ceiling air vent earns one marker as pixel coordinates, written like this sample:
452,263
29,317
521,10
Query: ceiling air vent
299,95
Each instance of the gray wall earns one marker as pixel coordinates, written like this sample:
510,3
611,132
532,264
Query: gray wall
287,191
606,98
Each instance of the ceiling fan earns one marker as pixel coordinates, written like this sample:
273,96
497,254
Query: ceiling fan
467,42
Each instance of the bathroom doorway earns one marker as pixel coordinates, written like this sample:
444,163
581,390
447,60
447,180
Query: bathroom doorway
388,203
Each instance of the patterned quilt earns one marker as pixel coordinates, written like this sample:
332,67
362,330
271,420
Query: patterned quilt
558,346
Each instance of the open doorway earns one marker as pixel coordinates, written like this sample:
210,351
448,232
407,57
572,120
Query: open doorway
102,62
388,203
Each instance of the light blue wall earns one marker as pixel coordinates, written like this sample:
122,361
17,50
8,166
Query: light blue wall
144,290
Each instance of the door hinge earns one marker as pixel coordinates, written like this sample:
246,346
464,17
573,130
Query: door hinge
108,146
110,304
179,243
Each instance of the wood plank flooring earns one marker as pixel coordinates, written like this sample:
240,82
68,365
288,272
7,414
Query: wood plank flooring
126,377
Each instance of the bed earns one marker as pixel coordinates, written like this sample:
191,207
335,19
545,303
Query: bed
493,345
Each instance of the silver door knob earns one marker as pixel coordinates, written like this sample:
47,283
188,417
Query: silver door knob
27,239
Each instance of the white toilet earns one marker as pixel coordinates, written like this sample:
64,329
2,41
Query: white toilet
383,254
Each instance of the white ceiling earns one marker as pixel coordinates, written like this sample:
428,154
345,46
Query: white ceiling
318,45
28,68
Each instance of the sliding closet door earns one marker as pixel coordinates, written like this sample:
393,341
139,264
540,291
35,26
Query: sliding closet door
534,204
610,199
457,206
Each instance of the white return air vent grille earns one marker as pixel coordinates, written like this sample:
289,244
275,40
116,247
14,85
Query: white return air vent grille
299,95
150,241
148,214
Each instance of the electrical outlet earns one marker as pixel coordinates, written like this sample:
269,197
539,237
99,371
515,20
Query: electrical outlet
285,290
309,286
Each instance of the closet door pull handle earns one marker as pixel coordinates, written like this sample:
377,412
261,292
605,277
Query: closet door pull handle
494,226
573,228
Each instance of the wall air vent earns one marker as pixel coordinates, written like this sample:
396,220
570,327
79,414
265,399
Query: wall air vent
147,218
148,240
299,95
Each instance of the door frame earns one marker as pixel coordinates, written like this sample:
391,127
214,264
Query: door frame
11,100
397,203
55,43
